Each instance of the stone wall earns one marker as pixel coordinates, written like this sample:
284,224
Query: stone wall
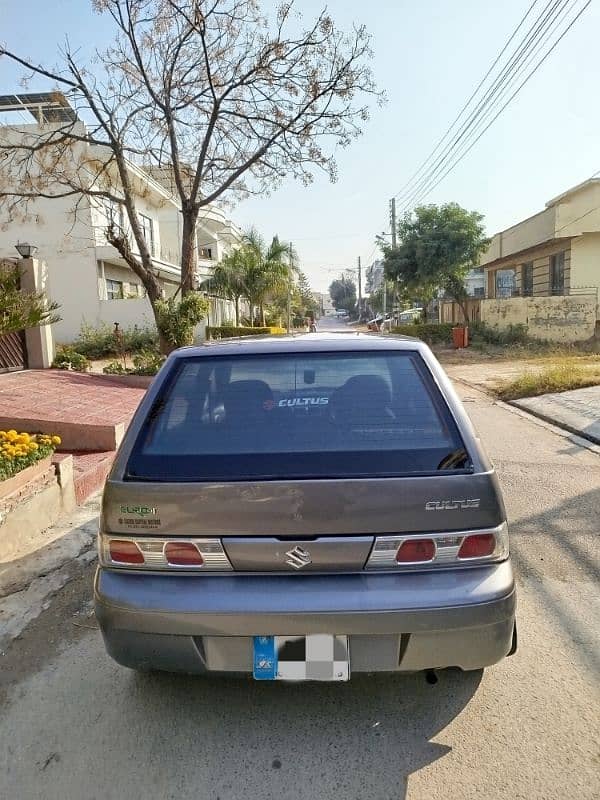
557,319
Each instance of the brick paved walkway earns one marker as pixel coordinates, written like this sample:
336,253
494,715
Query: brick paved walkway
90,412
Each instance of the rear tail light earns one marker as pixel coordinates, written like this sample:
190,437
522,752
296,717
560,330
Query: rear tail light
439,549
149,553
183,554
477,545
123,551
416,551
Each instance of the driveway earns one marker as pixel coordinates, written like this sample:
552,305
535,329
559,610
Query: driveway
74,725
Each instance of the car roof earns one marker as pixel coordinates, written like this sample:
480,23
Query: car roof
351,341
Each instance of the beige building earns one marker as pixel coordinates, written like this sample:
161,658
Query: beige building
553,253
85,274
544,272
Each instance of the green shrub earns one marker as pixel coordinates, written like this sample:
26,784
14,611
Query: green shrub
115,368
177,319
432,333
227,332
69,358
101,342
148,362
480,333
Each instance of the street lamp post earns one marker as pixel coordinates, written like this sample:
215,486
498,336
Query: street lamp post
25,250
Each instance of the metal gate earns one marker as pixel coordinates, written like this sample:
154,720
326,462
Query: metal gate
13,352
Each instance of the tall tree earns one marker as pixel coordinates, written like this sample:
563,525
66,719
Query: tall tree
228,280
343,294
307,300
438,246
266,269
212,96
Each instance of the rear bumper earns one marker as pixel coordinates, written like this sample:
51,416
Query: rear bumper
461,618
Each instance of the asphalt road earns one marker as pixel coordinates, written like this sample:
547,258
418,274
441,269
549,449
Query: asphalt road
74,726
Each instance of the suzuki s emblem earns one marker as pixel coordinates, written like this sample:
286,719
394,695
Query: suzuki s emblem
298,557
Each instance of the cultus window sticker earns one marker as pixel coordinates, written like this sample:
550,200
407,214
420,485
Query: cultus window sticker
304,401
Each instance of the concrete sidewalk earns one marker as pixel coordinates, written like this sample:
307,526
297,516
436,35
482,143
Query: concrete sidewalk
577,411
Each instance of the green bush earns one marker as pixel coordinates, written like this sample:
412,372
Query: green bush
177,319
432,333
115,368
148,362
69,358
227,332
101,342
480,333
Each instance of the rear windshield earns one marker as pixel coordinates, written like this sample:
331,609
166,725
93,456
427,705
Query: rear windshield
297,416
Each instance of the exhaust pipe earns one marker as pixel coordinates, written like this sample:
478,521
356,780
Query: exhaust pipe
431,677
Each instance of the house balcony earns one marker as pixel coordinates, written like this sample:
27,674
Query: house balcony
163,266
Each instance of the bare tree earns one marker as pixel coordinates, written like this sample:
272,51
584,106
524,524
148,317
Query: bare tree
213,98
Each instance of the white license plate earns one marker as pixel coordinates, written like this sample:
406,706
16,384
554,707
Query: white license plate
317,657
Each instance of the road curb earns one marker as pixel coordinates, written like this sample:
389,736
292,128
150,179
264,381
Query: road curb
574,436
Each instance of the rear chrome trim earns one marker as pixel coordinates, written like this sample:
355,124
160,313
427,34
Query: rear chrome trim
153,550
447,546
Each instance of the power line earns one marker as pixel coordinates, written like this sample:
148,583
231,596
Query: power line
404,189
510,99
531,43
534,38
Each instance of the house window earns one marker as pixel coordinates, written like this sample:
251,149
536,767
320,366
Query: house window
527,279
557,274
147,225
134,291
479,291
505,282
206,252
114,289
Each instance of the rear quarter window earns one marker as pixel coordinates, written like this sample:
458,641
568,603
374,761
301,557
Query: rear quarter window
297,415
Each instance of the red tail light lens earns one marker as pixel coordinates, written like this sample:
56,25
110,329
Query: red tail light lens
478,545
183,554
412,550
124,552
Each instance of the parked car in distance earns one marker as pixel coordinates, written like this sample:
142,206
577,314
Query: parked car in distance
304,507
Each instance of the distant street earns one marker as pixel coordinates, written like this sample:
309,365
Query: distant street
333,324
76,726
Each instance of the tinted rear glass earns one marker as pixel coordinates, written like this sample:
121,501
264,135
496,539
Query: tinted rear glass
297,416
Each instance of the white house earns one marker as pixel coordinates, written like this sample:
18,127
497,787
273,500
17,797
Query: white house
86,275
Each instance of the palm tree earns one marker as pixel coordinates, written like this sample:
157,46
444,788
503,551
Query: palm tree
227,280
253,271
266,269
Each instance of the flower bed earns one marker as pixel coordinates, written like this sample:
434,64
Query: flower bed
18,451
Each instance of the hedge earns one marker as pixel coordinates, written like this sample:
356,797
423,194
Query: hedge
432,333
231,331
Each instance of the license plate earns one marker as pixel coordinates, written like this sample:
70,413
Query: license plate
317,657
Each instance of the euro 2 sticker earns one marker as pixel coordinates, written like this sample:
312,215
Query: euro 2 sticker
139,516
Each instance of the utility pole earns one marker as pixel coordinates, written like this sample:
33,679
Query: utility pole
359,289
289,297
394,244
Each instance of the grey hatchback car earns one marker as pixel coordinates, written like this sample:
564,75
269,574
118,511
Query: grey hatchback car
304,507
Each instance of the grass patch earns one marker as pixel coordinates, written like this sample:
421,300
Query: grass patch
560,377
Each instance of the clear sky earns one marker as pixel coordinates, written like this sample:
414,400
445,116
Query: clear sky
429,56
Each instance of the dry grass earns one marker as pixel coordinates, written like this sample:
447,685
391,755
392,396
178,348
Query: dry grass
560,375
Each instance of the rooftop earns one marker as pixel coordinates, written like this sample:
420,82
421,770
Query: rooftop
43,107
